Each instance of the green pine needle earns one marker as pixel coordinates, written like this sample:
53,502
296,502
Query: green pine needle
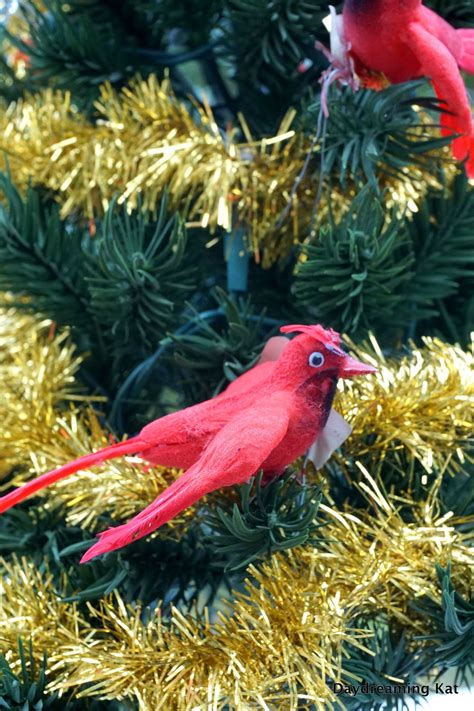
176,573
441,233
457,494
372,133
41,257
35,531
216,351
354,277
271,35
77,46
120,292
452,640
138,281
25,690
275,517
75,56
392,658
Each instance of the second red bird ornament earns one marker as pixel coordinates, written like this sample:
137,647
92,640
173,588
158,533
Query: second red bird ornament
403,40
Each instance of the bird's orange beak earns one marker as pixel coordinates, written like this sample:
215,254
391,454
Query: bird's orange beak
352,367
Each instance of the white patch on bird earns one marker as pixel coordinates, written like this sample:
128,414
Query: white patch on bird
341,69
335,432
334,24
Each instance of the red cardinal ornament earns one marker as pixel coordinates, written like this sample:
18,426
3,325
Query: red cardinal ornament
265,419
404,40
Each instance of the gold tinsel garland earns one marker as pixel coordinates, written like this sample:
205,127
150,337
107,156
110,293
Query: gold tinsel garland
279,639
37,370
146,141
420,404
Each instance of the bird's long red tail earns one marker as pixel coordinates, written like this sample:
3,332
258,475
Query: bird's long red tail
466,62
457,121
130,446
463,146
468,150
466,58
183,492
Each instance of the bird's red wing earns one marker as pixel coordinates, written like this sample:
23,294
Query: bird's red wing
178,439
235,454
249,380
439,64
254,377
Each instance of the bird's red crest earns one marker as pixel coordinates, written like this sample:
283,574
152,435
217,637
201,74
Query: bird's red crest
323,335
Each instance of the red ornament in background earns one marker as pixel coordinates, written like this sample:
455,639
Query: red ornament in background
404,40
265,419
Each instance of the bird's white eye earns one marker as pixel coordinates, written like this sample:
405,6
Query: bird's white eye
316,359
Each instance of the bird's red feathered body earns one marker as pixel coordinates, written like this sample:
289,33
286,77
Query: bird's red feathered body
404,40
265,419
197,425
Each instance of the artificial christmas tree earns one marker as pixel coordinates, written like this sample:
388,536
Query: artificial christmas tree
173,192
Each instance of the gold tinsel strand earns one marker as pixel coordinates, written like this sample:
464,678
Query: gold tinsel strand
32,609
146,140
37,375
280,637
421,404
389,560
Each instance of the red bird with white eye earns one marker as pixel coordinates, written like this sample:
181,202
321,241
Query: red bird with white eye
265,419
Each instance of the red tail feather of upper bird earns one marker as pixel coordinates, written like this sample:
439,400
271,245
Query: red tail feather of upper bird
404,41
24,492
464,147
